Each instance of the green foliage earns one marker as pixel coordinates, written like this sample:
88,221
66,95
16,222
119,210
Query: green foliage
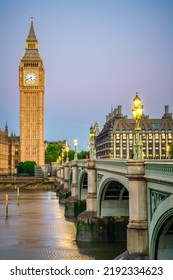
53,152
171,151
26,167
70,155
83,154
80,155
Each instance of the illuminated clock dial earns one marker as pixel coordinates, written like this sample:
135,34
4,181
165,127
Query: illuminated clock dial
30,78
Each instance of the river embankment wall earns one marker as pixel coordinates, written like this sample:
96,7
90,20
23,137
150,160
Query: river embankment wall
27,183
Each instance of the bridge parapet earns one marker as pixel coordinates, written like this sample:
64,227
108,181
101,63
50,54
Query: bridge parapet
159,170
117,166
82,163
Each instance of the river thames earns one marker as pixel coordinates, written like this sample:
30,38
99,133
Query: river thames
33,227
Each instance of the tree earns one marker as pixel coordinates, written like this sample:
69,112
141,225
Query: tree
80,155
83,154
26,167
70,155
53,152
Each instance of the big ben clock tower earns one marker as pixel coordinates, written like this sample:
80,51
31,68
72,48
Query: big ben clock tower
31,84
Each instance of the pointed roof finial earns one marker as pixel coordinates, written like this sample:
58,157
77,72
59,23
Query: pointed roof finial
31,35
6,127
32,15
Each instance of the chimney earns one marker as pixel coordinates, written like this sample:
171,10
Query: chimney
166,109
167,115
119,110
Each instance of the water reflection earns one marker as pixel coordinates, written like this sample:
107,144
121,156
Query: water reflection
35,228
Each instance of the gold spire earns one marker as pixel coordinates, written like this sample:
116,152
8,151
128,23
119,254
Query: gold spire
31,41
31,35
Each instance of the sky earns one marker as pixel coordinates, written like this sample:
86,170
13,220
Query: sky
97,54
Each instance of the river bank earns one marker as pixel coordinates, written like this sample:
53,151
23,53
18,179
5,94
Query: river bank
27,183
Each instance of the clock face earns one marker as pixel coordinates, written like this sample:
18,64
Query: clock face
30,78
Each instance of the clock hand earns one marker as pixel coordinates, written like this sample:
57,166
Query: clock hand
29,78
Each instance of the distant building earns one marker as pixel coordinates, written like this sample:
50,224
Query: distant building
9,152
32,85
14,153
117,138
64,144
96,130
4,151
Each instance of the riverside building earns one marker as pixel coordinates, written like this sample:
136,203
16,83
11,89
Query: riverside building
9,152
117,138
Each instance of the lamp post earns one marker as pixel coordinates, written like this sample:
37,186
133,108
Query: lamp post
167,152
59,160
62,157
67,150
75,148
137,113
91,143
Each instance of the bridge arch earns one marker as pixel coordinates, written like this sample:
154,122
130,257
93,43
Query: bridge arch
83,184
113,199
161,231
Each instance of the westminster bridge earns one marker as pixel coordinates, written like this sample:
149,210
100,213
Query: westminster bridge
121,199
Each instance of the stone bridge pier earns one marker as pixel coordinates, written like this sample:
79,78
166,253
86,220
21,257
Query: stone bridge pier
137,228
64,191
73,205
91,206
92,228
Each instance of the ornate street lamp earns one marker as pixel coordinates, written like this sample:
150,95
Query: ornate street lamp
137,113
67,150
91,143
75,148
167,152
59,160
62,157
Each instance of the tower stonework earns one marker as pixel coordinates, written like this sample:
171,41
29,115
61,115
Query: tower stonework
32,86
